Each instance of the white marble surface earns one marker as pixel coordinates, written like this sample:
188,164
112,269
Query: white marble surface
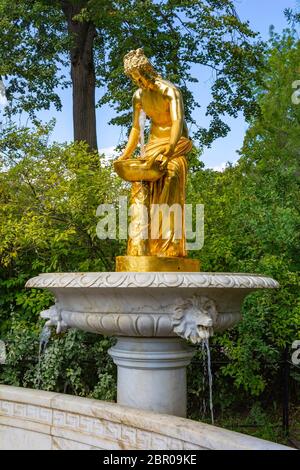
34,419
152,373
162,306
146,304
153,280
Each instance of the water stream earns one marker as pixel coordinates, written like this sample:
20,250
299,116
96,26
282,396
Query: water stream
44,339
207,366
204,375
142,122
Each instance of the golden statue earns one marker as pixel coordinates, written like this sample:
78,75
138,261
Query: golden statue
158,176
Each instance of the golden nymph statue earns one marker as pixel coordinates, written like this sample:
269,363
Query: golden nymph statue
158,176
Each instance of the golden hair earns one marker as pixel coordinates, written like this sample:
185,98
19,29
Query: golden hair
136,60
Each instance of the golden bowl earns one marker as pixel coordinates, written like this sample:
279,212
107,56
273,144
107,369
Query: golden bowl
138,170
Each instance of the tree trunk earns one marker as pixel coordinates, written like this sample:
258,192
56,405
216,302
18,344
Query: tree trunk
82,74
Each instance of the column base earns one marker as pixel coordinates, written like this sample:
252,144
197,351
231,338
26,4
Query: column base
152,373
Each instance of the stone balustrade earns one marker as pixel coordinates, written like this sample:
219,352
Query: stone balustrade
35,419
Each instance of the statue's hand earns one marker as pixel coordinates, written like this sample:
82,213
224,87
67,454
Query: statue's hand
124,157
168,150
162,160
164,156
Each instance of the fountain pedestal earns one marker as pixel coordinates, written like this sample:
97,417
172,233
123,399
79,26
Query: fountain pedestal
149,313
152,373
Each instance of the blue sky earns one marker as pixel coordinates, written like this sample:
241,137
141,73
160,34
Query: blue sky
261,14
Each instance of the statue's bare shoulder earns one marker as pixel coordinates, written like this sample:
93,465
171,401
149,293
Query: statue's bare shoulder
169,89
137,98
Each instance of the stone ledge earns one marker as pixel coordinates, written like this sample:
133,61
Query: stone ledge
61,421
153,280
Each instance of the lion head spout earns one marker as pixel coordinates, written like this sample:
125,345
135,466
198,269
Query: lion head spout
195,318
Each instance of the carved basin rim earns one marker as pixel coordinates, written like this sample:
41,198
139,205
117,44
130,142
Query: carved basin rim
152,280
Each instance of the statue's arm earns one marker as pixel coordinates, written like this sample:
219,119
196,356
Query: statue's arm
177,116
133,139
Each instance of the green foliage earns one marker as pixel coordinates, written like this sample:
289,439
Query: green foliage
49,195
49,198
36,42
256,421
33,51
252,224
75,363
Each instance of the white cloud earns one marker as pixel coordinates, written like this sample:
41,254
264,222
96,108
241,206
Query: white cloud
222,166
108,152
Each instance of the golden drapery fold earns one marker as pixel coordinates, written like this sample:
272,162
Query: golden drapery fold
149,234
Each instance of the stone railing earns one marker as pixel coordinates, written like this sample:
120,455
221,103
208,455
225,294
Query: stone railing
34,419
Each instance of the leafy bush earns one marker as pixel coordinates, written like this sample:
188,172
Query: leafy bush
49,196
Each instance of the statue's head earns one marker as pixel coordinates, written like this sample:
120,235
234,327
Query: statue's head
138,67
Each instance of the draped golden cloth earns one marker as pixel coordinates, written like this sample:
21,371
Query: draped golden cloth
168,190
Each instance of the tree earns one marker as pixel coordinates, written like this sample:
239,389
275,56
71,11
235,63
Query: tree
253,224
48,200
41,37
49,195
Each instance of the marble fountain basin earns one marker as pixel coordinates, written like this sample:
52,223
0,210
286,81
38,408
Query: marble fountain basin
190,305
151,314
